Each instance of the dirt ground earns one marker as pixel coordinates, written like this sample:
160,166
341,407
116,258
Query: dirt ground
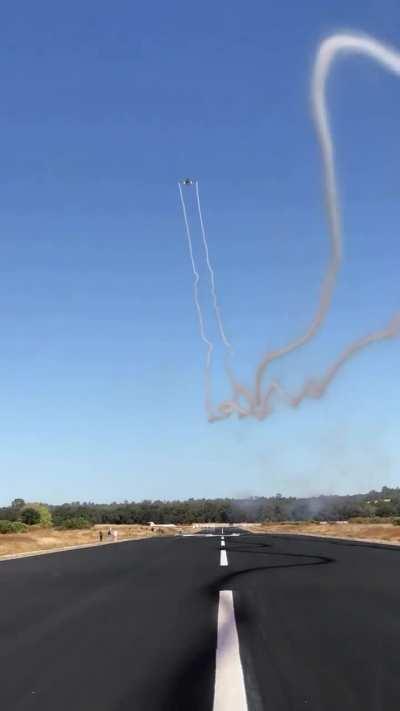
381,532
38,539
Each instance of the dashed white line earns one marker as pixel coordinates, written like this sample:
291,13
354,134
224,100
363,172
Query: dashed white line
223,558
229,690
222,544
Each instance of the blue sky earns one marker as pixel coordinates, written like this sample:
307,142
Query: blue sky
103,108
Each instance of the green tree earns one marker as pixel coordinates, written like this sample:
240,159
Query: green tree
30,516
12,527
45,518
45,515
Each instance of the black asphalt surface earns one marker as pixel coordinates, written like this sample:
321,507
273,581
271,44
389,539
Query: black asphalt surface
133,626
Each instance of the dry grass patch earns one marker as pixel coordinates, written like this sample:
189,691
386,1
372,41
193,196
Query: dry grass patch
40,539
383,532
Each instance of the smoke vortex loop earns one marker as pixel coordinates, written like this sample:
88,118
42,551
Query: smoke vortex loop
259,403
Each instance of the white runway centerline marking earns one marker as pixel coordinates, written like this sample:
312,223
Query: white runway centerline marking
223,559
229,691
222,544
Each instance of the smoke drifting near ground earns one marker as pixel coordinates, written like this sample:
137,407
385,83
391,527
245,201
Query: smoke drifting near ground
258,401
335,459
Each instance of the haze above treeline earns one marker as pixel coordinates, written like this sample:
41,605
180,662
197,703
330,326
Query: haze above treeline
384,503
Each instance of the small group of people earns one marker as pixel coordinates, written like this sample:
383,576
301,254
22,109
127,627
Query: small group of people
110,534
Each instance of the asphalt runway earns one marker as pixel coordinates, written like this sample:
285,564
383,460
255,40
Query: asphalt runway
280,623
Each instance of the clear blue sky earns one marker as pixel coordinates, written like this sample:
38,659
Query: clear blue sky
104,106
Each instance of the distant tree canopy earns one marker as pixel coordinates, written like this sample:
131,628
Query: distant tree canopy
374,504
255,509
18,504
17,512
76,522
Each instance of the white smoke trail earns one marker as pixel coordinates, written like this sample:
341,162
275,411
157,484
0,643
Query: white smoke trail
260,404
315,388
217,309
238,390
327,52
203,336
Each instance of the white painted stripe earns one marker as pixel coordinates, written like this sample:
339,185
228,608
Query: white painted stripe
223,559
222,544
229,690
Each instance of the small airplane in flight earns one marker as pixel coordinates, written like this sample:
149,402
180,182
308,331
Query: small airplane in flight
188,181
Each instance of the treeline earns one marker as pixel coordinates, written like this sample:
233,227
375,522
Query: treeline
385,503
